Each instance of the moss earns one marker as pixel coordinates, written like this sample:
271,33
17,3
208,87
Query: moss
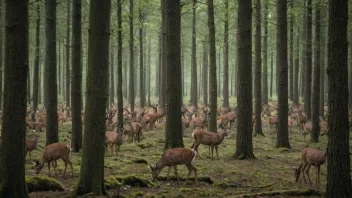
186,190
136,181
145,145
140,161
137,193
43,183
179,196
111,182
222,185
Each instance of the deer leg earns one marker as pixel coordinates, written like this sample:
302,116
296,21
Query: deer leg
178,179
212,151
189,167
318,174
71,166
167,176
112,149
216,149
307,171
49,169
65,168
30,157
303,172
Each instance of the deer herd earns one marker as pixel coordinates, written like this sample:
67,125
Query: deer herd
193,118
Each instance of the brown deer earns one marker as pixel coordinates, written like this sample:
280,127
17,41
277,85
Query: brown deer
174,157
51,153
272,122
113,139
31,144
323,125
208,138
199,121
290,123
133,130
307,129
310,157
302,119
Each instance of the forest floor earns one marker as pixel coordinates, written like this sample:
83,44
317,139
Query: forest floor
271,173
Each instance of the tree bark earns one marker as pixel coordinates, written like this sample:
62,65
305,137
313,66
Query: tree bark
258,70
59,67
322,73
308,82
157,68
244,146
173,127
131,77
212,71
36,64
163,66
68,93
76,94
119,66
141,66
205,72
50,85
304,46
149,67
291,50
112,80
316,82
265,54
225,87
338,159
296,72
281,60
271,73
29,84
194,79
97,95
1,52
12,174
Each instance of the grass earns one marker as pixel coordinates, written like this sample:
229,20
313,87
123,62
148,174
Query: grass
127,173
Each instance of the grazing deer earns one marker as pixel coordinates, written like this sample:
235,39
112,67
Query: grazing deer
174,157
310,157
113,139
307,129
31,144
51,153
208,138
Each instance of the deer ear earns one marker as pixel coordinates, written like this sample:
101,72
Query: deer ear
150,167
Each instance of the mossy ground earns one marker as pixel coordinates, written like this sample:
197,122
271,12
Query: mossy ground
272,170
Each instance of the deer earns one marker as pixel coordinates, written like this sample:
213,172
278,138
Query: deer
174,157
290,123
272,121
208,138
199,121
307,129
113,139
302,119
323,125
133,130
222,121
31,144
310,157
51,153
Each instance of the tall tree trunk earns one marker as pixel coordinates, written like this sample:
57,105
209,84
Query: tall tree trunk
258,70
36,64
157,68
219,74
291,50
59,67
304,46
131,77
141,66
308,82
205,72
212,71
76,93
52,132
316,82
271,73
29,84
68,93
112,81
194,79
265,54
244,146
125,79
281,61
338,168
173,127
119,67
322,73
183,73
39,84
225,87
97,95
296,72
163,66
1,56
12,174
149,67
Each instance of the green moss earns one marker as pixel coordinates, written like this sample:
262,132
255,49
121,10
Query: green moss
137,193
43,183
222,185
136,181
111,182
145,145
140,161
186,190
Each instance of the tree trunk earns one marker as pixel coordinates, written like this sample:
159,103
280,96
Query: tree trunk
316,82
119,67
258,71
112,81
131,77
296,73
76,96
291,50
173,128
271,73
225,87
59,67
163,66
12,174
265,54
39,83
194,79
338,168
149,67
141,66
97,95
281,60
157,68
205,72
304,46
52,132
219,74
68,93
36,64
1,52
244,146
322,74
308,82
212,71
29,85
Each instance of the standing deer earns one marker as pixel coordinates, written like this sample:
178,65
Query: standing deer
310,157
31,144
51,153
113,139
174,157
